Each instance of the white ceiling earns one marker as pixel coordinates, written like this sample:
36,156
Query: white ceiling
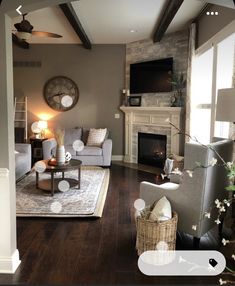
110,21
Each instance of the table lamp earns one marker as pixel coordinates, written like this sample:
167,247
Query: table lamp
36,129
42,124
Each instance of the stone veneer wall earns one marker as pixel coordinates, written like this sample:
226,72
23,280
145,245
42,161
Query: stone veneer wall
172,45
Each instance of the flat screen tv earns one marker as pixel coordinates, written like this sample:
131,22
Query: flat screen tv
151,76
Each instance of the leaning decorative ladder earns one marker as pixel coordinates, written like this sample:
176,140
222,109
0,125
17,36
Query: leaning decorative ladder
20,117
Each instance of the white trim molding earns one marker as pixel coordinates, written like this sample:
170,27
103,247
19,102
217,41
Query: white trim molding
117,158
9,264
151,120
4,173
9,255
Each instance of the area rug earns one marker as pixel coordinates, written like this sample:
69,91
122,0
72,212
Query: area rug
88,201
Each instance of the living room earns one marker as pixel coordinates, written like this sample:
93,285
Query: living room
101,75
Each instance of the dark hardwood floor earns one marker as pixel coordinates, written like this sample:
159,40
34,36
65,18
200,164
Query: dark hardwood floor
93,251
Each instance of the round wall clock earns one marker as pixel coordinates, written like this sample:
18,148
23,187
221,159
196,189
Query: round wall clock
61,93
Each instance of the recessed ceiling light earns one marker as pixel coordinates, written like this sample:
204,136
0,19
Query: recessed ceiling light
133,31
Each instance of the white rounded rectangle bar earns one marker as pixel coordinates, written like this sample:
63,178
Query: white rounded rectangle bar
181,263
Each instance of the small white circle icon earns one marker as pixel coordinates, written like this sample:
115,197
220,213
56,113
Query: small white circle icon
139,204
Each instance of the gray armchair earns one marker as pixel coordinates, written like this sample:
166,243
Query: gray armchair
195,196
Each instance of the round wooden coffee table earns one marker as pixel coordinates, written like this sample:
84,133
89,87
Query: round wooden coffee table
49,184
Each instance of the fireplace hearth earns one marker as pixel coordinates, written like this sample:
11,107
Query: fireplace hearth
152,149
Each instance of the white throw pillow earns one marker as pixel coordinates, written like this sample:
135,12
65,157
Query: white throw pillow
96,137
161,211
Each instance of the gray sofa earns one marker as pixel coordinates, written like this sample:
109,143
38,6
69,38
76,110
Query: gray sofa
22,160
93,156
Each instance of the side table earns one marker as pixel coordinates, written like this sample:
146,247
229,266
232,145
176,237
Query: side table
36,145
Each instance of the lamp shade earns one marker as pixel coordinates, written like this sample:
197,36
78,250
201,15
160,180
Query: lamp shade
35,128
225,110
42,124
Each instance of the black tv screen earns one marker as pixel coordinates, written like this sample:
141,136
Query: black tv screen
152,76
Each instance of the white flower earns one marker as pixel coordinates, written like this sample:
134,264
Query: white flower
207,214
224,241
177,171
167,120
194,227
226,202
190,173
163,176
213,162
217,221
221,282
218,203
233,256
222,209
229,164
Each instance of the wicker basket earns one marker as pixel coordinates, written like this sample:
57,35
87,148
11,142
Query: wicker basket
150,233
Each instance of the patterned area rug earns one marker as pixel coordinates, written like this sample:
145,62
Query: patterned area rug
88,201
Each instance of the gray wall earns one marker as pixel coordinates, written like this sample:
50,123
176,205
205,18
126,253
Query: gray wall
208,26
99,74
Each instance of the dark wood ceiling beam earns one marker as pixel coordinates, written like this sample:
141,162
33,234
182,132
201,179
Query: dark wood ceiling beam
76,24
167,17
19,43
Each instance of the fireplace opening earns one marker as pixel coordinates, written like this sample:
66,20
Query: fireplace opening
151,149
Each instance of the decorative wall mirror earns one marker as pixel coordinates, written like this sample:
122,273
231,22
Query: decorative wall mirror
61,93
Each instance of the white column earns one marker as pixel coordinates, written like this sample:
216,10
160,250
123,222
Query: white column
9,255
128,137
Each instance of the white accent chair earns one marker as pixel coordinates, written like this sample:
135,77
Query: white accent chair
192,197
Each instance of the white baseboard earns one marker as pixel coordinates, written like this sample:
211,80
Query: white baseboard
117,158
9,264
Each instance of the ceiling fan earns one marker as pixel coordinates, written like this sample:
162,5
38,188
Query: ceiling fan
24,31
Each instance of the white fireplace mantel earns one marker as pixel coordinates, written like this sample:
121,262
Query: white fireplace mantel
151,119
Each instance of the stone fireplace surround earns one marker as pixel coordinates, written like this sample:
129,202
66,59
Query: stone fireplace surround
151,120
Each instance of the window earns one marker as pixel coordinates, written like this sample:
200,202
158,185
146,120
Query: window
201,96
212,69
224,77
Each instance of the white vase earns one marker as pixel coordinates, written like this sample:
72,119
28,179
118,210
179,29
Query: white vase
60,155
